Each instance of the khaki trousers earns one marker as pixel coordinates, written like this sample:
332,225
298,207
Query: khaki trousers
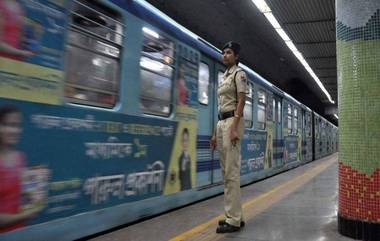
230,163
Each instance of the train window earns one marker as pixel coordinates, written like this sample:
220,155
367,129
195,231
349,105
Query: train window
156,70
248,113
203,83
261,110
289,118
295,125
220,77
304,121
93,54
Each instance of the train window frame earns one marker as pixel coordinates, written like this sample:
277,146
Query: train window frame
220,76
289,118
261,107
279,112
219,80
203,64
85,41
317,127
248,122
156,62
295,120
274,115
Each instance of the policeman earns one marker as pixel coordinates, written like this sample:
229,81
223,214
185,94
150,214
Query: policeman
228,134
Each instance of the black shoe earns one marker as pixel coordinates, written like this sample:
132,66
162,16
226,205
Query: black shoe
223,222
227,228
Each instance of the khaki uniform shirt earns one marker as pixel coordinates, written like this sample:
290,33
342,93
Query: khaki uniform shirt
227,98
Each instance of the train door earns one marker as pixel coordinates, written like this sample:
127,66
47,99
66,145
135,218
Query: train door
278,142
206,121
303,143
216,173
316,137
309,136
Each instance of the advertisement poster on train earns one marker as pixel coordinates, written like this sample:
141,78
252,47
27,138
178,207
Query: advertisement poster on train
269,146
291,149
269,128
31,51
253,149
299,146
82,160
187,84
181,174
182,168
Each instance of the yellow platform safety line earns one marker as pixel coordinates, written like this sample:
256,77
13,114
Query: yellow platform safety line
255,206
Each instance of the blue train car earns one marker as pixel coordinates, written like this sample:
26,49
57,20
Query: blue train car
113,107
325,137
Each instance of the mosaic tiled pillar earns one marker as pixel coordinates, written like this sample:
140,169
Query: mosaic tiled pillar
358,59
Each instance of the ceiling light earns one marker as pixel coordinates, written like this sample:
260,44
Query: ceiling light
282,34
336,116
262,6
298,55
272,20
291,45
265,9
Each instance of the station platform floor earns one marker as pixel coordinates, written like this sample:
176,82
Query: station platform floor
297,205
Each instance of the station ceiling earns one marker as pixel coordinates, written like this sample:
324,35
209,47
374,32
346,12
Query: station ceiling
310,24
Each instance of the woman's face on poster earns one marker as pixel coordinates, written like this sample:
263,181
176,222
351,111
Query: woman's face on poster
10,129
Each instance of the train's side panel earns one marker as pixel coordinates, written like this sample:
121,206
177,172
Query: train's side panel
292,134
93,168
206,123
254,155
278,143
88,167
98,168
307,139
325,137
317,137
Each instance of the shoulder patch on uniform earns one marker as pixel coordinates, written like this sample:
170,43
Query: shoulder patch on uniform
243,77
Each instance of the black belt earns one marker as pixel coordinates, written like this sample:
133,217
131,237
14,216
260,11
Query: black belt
225,115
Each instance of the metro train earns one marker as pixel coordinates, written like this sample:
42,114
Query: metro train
115,104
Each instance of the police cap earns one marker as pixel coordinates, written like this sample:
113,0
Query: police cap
232,45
